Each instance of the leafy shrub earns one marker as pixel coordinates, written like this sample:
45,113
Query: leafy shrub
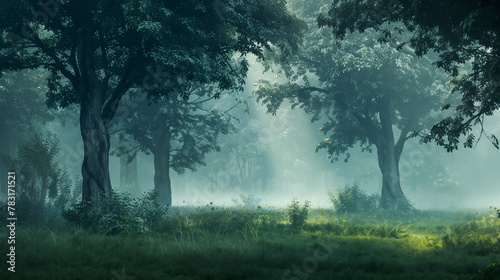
118,213
150,210
401,208
492,272
478,236
297,214
353,200
42,187
496,210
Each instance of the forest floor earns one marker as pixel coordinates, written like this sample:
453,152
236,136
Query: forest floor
237,243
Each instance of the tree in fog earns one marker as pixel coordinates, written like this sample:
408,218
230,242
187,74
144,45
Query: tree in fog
460,31
178,132
96,51
367,93
22,109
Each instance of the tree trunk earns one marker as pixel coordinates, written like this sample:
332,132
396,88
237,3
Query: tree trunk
391,186
162,168
95,167
388,155
94,129
128,175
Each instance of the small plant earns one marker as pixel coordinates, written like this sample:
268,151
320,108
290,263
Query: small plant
401,208
496,210
117,213
297,214
42,185
353,200
492,272
149,211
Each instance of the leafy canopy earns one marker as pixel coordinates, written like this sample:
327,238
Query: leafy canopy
459,31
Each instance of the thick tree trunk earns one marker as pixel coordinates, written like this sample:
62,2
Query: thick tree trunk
128,175
95,167
94,129
388,155
162,168
391,186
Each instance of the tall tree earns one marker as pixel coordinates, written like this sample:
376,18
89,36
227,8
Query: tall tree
96,51
460,31
128,175
365,92
178,132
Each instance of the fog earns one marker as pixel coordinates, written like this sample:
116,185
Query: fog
255,139
431,178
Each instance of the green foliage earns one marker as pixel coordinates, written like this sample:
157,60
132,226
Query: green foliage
359,89
401,208
492,272
353,200
157,46
118,213
348,85
463,32
150,211
42,187
479,236
199,247
214,221
496,210
22,102
194,123
297,214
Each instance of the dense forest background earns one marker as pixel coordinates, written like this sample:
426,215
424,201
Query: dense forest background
248,151
194,124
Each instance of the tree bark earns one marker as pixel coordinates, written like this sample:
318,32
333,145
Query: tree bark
95,167
94,129
162,168
128,175
391,186
388,155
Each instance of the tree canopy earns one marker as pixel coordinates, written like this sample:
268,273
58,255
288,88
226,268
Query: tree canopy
178,132
97,51
360,88
461,32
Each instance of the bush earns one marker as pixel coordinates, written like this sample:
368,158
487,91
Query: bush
42,187
492,272
402,208
353,200
496,210
478,236
297,214
118,213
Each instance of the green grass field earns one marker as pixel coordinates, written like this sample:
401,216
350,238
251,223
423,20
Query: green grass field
237,243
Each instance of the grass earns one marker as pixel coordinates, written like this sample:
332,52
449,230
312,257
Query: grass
237,243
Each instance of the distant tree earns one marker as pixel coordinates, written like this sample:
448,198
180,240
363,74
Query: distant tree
40,181
22,111
365,92
461,31
96,51
178,132
128,175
